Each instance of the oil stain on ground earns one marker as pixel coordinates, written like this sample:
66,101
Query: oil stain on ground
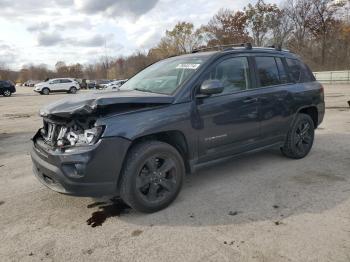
116,208
2,202
136,233
15,116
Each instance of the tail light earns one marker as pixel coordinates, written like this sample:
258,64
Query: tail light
322,92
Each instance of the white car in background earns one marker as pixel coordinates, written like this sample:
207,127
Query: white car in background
68,85
116,84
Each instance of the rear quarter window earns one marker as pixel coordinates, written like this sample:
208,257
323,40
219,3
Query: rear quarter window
299,72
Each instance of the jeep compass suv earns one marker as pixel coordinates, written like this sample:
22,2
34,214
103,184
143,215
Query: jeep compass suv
174,116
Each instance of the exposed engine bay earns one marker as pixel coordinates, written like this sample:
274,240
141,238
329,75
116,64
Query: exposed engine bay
78,131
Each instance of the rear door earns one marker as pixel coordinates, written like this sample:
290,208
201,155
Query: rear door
275,100
228,122
66,84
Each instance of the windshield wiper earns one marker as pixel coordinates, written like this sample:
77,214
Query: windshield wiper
145,90
141,89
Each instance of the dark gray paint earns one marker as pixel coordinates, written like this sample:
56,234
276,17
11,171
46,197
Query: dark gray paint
213,127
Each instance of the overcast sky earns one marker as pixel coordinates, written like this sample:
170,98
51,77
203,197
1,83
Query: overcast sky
47,31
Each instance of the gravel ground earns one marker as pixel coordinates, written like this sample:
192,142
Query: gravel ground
262,207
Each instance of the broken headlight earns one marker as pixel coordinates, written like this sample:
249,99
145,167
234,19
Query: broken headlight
83,137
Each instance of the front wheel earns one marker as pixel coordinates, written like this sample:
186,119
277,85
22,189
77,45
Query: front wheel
45,91
152,176
300,137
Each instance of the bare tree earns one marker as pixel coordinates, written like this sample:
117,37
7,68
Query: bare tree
282,27
322,20
299,11
260,17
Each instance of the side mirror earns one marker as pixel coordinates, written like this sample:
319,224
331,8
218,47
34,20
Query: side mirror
211,87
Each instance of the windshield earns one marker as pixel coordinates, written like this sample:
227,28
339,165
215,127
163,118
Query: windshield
165,76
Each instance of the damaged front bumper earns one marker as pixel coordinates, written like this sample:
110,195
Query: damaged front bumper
81,171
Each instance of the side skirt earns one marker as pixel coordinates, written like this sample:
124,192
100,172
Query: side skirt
194,166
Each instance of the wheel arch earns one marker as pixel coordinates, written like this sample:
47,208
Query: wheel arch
312,111
174,138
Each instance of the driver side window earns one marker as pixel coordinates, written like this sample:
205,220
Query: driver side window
233,73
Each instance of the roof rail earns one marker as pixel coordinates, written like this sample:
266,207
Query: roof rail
248,46
276,47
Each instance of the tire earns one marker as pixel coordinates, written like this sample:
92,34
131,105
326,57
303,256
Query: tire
7,93
300,137
152,176
73,90
45,91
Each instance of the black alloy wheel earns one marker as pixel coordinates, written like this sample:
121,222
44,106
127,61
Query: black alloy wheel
152,176
300,137
157,178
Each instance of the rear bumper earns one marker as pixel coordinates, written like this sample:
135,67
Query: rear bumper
89,171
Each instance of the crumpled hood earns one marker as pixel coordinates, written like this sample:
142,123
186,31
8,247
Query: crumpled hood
84,104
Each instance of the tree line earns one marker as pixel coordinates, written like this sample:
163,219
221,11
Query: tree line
316,30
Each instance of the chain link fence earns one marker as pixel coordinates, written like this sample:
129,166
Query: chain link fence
333,77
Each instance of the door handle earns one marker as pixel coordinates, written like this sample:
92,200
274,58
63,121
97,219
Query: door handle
249,100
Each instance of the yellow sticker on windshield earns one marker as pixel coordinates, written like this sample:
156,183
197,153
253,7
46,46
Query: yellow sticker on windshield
188,66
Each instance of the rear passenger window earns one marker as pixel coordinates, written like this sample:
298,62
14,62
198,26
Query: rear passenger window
267,71
233,73
299,71
65,81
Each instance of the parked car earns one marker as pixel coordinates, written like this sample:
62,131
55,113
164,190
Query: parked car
91,84
7,88
140,142
68,85
83,84
31,83
116,84
102,84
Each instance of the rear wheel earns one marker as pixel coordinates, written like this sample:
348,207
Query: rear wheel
45,91
152,176
7,93
73,90
300,137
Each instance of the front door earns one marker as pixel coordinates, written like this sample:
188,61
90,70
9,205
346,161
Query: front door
228,122
55,85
